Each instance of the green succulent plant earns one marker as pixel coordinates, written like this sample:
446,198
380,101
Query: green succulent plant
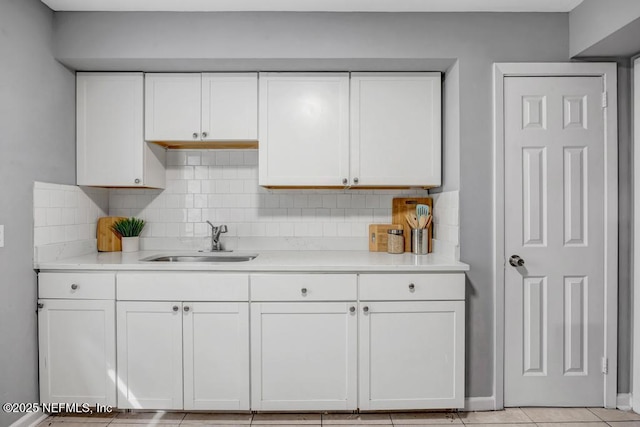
128,227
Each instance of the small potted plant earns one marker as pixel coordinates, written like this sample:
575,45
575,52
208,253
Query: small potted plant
129,229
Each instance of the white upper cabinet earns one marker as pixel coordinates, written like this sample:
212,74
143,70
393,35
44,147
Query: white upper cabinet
230,107
173,108
304,129
111,151
374,130
395,129
201,107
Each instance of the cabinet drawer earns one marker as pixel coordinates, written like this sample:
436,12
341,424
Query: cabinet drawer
304,287
408,287
182,287
77,285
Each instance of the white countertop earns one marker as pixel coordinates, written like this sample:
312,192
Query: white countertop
308,261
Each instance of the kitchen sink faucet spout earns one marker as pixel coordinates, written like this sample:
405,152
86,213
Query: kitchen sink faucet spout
216,246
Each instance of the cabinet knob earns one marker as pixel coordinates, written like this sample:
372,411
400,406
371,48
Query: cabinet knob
352,309
365,309
355,180
40,305
186,308
304,291
175,308
137,181
412,287
74,286
195,135
204,134
345,181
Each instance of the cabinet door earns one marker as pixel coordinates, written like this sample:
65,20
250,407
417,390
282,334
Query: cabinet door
216,356
172,107
230,106
395,129
304,129
77,351
303,356
149,355
109,123
411,355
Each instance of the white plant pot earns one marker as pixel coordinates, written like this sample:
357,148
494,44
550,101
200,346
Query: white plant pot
131,244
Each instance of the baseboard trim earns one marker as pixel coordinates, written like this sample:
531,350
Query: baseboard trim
30,420
480,403
623,401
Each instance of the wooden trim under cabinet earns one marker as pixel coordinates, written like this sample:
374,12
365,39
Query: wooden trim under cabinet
220,145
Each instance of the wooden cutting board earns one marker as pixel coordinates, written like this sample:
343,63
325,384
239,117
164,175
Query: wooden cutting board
108,241
378,236
404,205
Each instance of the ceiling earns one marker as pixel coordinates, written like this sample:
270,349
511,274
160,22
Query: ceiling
316,5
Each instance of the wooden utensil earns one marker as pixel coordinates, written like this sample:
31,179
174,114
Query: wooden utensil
411,220
378,237
108,241
422,222
401,206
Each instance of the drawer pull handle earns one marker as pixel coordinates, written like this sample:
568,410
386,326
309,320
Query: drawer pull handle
352,309
304,291
365,309
186,308
74,286
412,287
40,305
175,308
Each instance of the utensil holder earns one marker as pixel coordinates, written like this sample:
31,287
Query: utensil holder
420,241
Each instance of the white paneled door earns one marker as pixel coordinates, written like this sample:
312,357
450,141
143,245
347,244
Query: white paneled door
554,234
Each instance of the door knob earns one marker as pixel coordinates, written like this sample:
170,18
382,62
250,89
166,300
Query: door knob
516,261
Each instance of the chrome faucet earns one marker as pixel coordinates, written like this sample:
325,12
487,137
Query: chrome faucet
216,246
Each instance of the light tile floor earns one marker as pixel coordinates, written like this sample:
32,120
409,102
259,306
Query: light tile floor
511,417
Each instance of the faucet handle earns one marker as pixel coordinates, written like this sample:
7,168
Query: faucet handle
223,228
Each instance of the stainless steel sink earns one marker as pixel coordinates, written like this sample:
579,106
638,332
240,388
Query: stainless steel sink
200,258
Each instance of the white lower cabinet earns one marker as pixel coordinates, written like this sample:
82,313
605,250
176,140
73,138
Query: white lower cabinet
303,356
149,355
411,341
302,342
411,355
216,355
77,351
183,355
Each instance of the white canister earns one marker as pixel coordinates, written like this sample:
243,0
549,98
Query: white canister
131,244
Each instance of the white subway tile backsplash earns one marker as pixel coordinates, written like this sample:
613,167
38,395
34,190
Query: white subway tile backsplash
446,223
62,214
194,186
201,172
222,186
358,201
222,158
236,158
41,198
251,158
194,158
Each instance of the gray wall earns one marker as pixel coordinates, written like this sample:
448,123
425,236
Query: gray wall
226,40
595,21
37,142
